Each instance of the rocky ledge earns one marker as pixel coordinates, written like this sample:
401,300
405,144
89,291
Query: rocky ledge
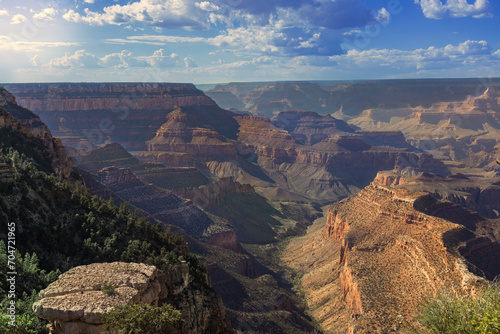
75,302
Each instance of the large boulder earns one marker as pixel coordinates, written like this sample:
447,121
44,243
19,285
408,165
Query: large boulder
75,302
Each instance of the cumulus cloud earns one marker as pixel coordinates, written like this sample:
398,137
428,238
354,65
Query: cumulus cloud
287,27
449,56
3,12
18,19
45,15
160,59
207,6
189,62
80,59
435,9
118,60
89,1
172,14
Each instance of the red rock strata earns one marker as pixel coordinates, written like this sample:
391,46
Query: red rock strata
376,259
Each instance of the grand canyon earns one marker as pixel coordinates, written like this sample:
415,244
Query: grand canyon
286,207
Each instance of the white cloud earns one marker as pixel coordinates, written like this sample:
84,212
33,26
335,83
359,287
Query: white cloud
189,62
450,56
45,15
3,12
159,59
9,44
435,9
89,1
80,59
172,14
267,26
119,60
207,6
17,19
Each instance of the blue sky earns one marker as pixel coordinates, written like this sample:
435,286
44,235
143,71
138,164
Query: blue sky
241,40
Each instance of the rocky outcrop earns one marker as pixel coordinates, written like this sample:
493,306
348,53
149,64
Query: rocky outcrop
246,268
25,116
87,115
385,256
227,239
7,170
160,204
50,154
75,302
309,127
465,131
214,193
349,97
183,133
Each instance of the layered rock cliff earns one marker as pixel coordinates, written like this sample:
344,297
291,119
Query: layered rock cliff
76,301
160,204
333,167
348,97
23,131
184,133
86,115
465,133
378,256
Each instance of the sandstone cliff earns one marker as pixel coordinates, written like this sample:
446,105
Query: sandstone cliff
333,167
160,204
183,133
378,257
349,97
464,133
87,115
29,134
75,302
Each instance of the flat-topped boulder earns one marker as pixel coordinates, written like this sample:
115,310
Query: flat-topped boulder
75,302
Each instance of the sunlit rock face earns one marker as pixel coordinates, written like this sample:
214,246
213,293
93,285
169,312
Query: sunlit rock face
75,302
380,253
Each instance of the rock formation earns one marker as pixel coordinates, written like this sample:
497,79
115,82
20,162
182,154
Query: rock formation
87,115
214,193
160,204
331,168
7,170
350,98
463,133
35,135
378,256
75,302
183,133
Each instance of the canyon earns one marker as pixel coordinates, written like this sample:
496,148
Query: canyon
380,253
368,219
348,98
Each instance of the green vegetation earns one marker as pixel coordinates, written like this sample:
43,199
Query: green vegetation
108,289
29,280
142,319
60,225
450,314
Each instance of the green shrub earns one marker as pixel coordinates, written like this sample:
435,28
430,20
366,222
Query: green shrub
108,289
142,319
24,324
450,314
